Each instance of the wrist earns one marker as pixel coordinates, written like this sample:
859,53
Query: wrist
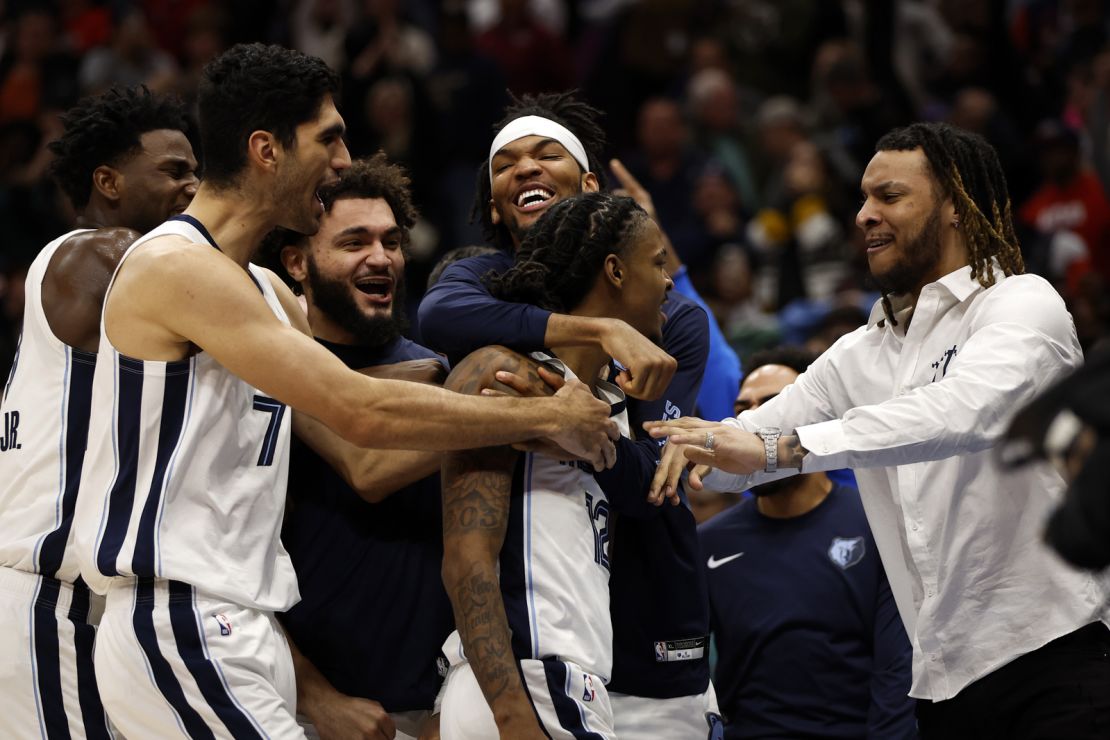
791,452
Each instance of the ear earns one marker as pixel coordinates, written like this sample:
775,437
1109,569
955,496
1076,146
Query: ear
494,216
295,262
589,183
613,270
263,149
108,181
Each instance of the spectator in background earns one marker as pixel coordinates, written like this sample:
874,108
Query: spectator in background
669,169
532,58
714,104
132,59
319,28
808,636
1069,203
36,73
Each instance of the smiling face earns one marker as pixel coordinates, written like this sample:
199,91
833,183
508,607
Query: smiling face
530,175
906,223
157,182
315,159
644,281
353,272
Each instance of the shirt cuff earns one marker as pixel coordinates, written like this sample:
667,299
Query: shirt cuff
826,446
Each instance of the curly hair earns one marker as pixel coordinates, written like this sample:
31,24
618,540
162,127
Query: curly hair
106,130
965,168
561,255
368,177
564,108
253,87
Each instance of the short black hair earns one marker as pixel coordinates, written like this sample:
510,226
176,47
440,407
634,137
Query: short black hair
256,87
369,177
105,130
797,359
565,108
562,254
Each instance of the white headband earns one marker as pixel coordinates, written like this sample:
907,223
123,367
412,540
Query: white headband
538,126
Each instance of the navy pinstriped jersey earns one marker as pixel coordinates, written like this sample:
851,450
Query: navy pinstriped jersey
658,588
43,430
373,612
186,470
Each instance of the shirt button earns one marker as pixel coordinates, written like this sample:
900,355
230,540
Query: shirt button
914,526
933,657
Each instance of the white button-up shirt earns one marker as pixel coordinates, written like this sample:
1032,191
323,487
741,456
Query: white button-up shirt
916,414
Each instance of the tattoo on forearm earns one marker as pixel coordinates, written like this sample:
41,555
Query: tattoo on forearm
794,452
476,489
480,616
477,372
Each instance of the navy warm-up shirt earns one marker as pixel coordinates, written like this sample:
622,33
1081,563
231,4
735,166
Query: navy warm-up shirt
373,613
809,641
658,596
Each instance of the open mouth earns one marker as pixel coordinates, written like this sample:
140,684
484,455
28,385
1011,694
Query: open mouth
379,289
534,198
878,242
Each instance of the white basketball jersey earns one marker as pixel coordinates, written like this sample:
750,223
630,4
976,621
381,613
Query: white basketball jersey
186,471
554,564
43,419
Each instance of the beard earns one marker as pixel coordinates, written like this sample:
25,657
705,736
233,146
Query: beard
333,297
920,255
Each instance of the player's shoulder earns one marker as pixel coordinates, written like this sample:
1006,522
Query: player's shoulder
477,370
479,265
722,526
88,253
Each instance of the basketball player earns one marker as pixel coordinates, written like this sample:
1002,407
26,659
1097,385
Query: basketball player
366,667
528,572
125,164
179,519
547,148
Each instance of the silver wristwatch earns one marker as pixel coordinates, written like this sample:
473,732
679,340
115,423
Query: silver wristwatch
770,437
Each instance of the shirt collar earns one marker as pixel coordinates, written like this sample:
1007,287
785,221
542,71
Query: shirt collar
958,283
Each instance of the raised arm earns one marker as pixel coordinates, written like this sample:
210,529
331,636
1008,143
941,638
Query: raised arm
373,474
476,489
180,293
459,315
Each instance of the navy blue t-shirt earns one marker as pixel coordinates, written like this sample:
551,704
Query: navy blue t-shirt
657,585
373,613
809,641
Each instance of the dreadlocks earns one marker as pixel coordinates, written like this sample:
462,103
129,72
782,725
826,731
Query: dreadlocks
966,169
563,108
562,254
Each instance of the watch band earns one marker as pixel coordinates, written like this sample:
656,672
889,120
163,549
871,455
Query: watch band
770,437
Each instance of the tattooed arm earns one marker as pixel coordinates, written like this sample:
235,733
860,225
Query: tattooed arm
476,488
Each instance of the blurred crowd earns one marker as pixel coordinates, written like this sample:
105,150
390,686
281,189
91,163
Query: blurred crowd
749,121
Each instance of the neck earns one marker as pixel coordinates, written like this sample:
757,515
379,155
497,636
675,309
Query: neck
586,362
807,495
94,216
236,221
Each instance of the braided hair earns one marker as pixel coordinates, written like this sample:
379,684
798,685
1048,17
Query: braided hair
564,108
967,170
561,255
106,130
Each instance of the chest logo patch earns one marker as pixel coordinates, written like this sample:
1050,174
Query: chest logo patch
847,551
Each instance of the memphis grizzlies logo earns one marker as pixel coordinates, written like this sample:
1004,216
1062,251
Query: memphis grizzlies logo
847,551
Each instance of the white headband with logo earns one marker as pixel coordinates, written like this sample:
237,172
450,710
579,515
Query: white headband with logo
538,126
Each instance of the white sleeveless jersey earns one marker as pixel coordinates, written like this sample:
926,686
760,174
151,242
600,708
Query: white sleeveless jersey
186,471
43,423
554,563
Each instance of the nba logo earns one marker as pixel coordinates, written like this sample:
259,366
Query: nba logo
588,693
660,652
225,624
